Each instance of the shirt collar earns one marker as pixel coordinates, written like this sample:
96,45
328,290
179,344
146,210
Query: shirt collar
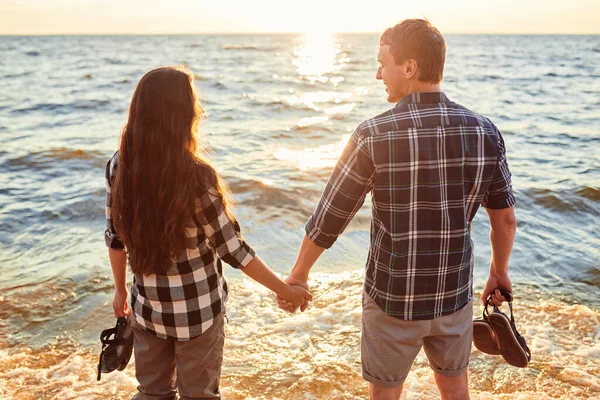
424,98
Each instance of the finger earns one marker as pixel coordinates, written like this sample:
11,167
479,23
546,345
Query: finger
496,300
303,307
284,303
287,307
499,296
308,295
486,300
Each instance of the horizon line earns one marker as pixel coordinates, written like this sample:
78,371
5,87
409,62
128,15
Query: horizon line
287,33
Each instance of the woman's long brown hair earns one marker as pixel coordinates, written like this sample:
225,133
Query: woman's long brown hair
161,171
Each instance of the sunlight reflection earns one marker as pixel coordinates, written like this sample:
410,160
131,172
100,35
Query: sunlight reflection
314,158
312,99
317,56
304,122
343,109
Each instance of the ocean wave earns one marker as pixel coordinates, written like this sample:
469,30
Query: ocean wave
241,47
57,157
567,76
281,105
313,124
65,108
569,201
19,75
486,78
32,53
580,138
589,193
260,196
86,208
114,61
75,205
325,341
218,85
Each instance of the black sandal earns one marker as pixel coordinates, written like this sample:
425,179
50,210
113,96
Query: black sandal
513,346
484,337
116,352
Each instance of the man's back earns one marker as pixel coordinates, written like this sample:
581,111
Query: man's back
429,163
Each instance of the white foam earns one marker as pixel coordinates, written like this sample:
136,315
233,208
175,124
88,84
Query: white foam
271,355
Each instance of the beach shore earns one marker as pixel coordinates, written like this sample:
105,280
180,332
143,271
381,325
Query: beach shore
270,355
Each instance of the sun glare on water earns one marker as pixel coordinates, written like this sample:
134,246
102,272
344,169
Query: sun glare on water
316,56
324,156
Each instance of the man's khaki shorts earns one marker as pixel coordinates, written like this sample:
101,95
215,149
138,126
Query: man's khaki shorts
389,345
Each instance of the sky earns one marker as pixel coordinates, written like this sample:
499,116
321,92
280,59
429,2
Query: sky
18,17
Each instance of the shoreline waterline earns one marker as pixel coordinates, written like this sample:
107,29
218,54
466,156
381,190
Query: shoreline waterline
270,354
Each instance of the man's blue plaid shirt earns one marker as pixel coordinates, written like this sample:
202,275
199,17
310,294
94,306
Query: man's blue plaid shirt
429,164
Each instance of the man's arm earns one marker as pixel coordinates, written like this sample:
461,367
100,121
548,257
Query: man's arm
503,227
344,194
307,256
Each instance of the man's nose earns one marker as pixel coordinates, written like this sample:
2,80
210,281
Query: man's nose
378,74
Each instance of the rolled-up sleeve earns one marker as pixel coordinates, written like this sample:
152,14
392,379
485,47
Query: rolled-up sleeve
500,194
223,234
111,238
345,192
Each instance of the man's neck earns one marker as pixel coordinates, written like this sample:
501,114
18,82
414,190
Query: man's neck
424,87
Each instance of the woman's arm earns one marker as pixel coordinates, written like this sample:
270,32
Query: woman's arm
261,273
118,264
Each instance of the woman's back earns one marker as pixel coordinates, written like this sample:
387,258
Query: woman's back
167,207
193,283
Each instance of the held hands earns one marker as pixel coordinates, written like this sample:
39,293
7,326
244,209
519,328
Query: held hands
120,306
495,281
299,297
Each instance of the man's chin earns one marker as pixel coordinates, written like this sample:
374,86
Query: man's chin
392,99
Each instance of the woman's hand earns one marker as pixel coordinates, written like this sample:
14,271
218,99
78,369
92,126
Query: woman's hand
296,296
120,306
289,306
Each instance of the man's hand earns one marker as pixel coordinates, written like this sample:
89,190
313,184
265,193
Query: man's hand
496,281
288,306
120,306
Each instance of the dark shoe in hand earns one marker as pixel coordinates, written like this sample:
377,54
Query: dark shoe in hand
117,345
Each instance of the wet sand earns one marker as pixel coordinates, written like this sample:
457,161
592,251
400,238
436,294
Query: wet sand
315,355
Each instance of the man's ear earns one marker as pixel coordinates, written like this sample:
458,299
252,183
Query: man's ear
410,68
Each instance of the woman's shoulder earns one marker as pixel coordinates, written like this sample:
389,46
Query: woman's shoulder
111,166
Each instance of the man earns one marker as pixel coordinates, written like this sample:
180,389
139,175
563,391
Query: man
429,164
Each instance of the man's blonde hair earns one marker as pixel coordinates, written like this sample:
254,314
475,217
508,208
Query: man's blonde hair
421,41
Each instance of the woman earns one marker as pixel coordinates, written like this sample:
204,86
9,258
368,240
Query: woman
167,206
